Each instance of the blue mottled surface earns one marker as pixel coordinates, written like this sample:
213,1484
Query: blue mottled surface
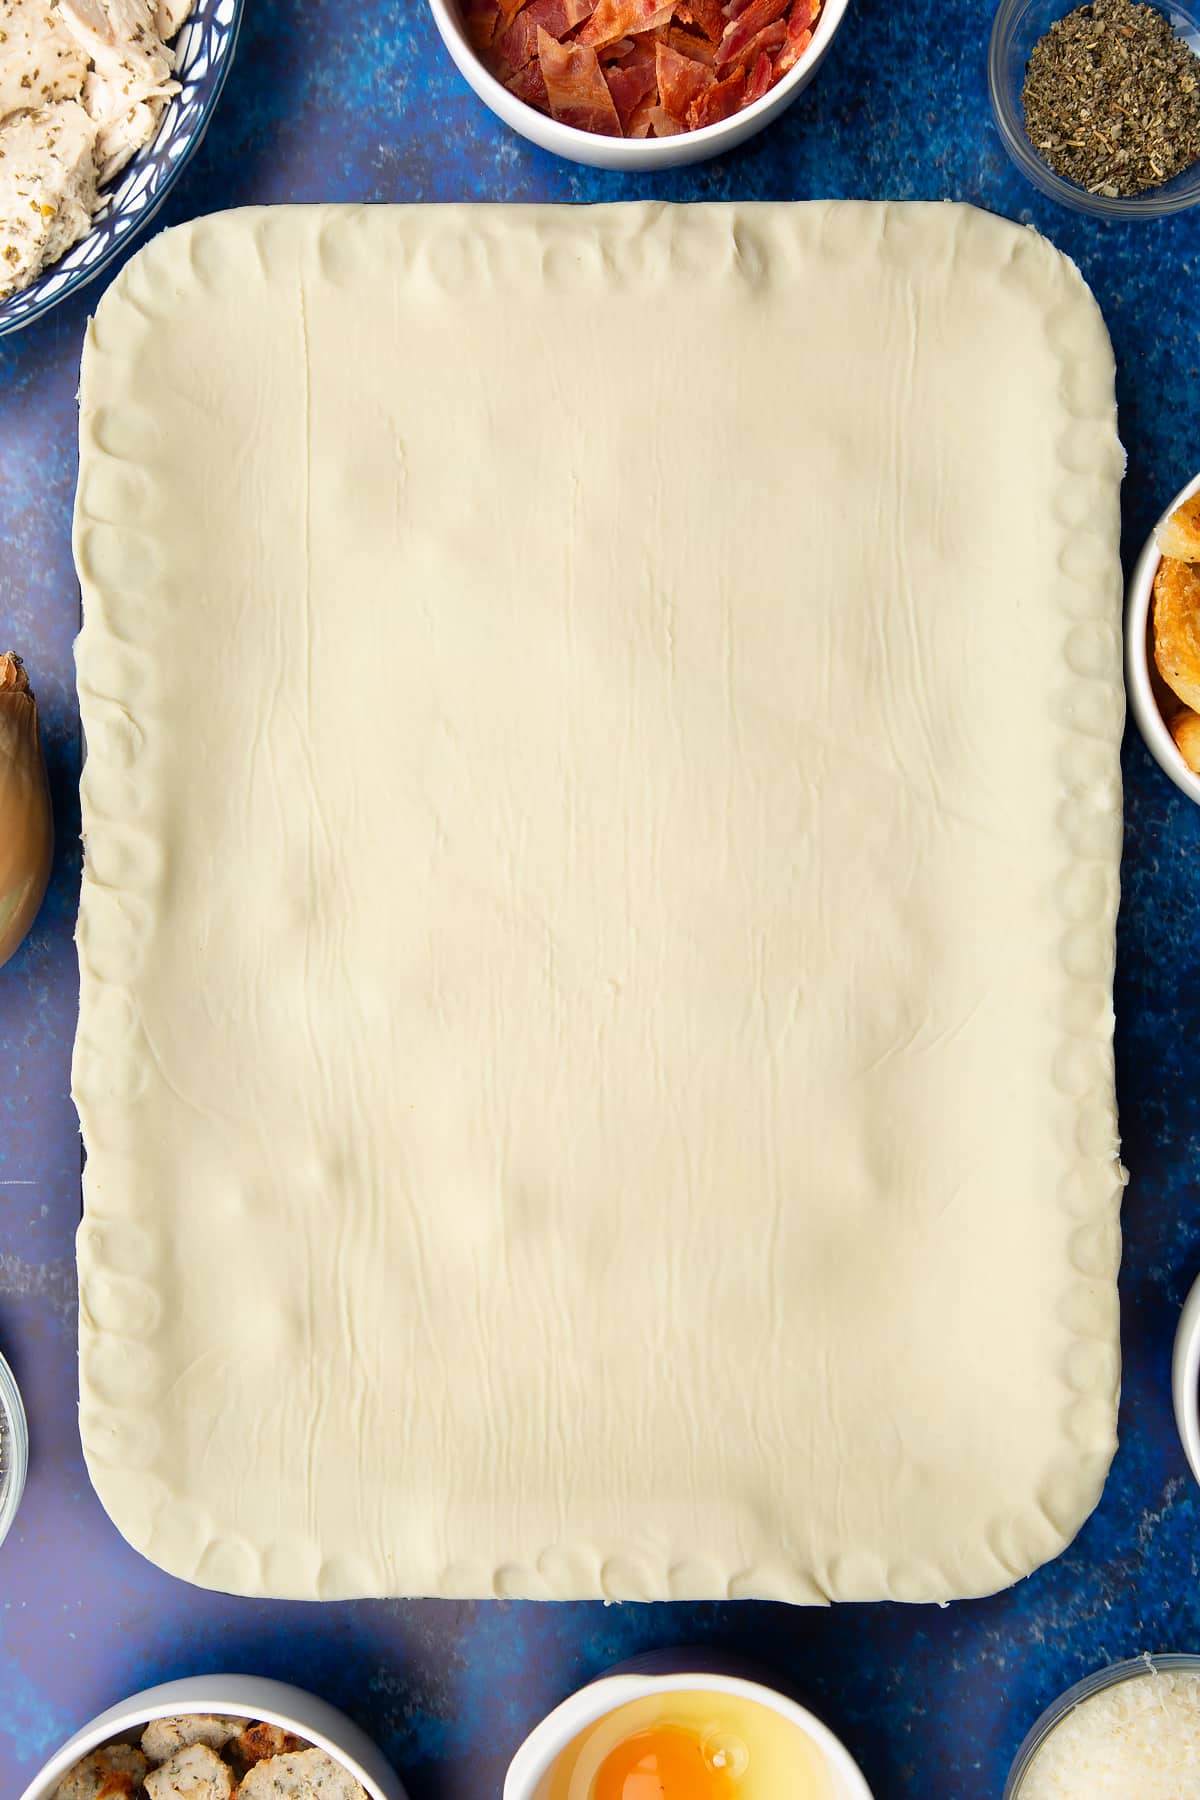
360,102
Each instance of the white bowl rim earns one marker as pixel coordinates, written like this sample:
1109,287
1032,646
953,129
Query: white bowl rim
559,1728
633,153
224,1694
1151,723
13,1408
1185,1378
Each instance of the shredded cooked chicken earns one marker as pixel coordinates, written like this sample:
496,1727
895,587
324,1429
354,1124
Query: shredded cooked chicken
40,61
47,188
83,84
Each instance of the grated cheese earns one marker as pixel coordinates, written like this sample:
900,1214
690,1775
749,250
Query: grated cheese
1137,1740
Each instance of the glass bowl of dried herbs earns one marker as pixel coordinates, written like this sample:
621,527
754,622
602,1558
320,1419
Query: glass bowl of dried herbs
1099,104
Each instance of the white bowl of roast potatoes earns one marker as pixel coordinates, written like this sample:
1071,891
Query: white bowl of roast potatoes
219,1737
1162,641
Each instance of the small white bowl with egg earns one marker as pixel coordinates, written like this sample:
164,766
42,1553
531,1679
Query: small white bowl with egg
303,1715
1148,693
568,1755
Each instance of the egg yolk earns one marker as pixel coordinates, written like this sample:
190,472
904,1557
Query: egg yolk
663,1763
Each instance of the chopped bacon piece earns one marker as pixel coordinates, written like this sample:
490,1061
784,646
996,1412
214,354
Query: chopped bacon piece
791,53
688,43
574,12
621,18
517,44
769,40
632,83
562,16
761,77
741,32
641,124
482,18
617,52
705,15
799,37
575,85
718,101
662,124
680,81
529,85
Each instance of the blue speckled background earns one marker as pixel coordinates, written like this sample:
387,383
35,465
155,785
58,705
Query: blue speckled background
360,102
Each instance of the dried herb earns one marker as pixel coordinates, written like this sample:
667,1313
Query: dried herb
1112,98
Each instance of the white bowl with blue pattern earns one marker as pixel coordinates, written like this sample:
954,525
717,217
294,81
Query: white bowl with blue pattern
203,54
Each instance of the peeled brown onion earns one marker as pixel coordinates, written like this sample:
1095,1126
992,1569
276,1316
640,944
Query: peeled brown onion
26,827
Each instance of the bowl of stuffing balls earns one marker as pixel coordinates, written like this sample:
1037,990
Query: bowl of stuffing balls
638,84
219,1737
102,102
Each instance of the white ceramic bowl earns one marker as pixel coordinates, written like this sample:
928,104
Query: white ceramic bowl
633,153
12,1483
541,1749
237,1696
1185,1379
1139,662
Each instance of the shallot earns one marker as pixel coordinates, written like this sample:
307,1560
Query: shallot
26,827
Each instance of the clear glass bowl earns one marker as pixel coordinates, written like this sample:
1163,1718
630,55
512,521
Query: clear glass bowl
15,1459
1018,26
1136,1668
